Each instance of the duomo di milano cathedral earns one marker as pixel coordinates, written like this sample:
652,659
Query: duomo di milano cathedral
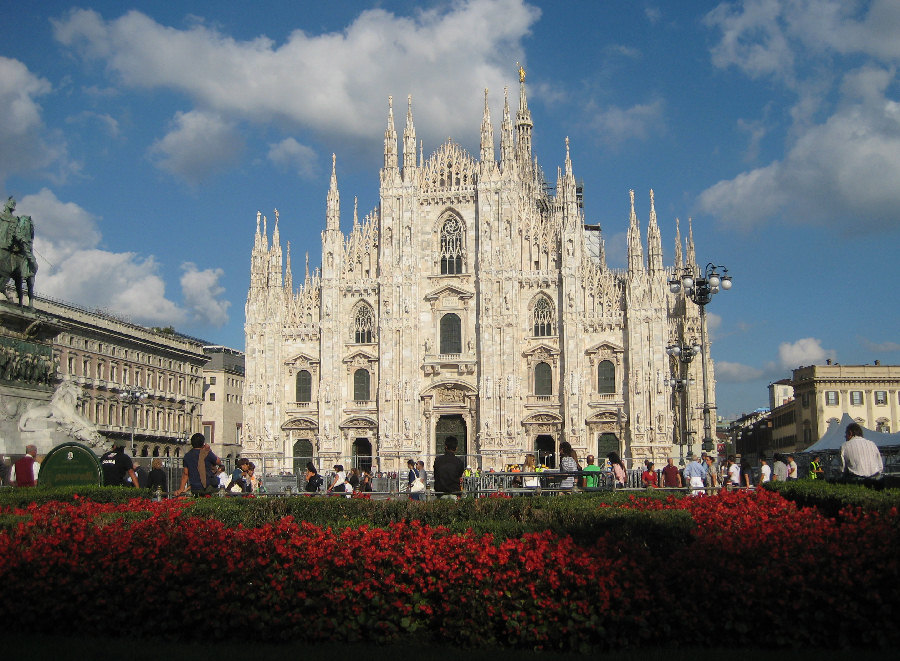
472,302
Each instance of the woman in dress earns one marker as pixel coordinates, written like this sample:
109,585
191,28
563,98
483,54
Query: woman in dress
648,477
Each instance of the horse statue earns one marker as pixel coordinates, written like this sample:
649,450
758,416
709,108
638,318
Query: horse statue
17,260
61,413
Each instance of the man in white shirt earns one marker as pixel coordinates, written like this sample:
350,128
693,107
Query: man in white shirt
792,468
765,471
24,472
860,458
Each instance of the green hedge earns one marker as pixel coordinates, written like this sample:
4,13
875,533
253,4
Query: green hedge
583,516
830,498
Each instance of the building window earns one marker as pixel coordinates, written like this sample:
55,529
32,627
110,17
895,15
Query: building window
804,399
831,398
361,385
212,380
304,386
856,397
212,396
880,397
543,317
451,247
543,380
606,377
451,334
363,324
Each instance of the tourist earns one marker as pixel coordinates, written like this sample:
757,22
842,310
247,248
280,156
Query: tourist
568,463
530,481
24,472
198,468
779,469
620,476
339,482
222,476
117,465
411,477
746,472
671,475
365,484
238,484
592,481
156,479
448,471
861,460
648,477
765,471
251,481
734,472
695,473
712,476
792,468
314,481
141,473
423,475
353,479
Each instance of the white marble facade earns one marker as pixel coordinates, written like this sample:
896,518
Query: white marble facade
471,301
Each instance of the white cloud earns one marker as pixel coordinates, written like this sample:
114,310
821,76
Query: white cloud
806,351
24,142
879,346
727,372
198,145
73,267
290,154
843,156
201,291
614,125
329,82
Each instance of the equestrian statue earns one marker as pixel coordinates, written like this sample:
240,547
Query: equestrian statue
17,260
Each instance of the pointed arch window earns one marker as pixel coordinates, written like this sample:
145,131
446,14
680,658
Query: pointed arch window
451,334
361,380
543,380
304,386
363,325
606,377
543,318
451,246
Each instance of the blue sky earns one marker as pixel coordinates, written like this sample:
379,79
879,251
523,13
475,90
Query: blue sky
143,137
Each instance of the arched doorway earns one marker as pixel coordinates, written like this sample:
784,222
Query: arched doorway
303,452
607,442
451,425
362,454
546,450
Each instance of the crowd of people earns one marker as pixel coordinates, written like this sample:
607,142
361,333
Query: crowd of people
203,472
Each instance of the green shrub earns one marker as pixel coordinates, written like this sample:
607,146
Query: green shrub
830,498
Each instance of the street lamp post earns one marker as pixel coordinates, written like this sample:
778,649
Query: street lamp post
685,353
701,290
133,396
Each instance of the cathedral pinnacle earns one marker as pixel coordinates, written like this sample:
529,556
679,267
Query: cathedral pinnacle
390,138
654,241
679,260
635,245
409,142
506,134
523,121
333,203
487,133
690,258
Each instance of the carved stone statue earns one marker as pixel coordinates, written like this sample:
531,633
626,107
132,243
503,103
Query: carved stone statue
17,260
60,413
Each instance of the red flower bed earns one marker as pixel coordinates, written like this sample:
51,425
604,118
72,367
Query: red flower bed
758,571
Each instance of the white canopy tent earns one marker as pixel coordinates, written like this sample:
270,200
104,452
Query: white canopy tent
833,438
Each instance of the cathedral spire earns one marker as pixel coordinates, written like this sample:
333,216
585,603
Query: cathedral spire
690,258
487,134
507,147
390,138
679,261
333,204
409,142
355,214
523,121
635,246
288,273
276,235
306,279
654,240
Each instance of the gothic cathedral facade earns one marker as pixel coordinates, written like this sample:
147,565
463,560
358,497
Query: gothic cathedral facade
473,302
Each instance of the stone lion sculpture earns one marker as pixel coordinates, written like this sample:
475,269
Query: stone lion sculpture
61,414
